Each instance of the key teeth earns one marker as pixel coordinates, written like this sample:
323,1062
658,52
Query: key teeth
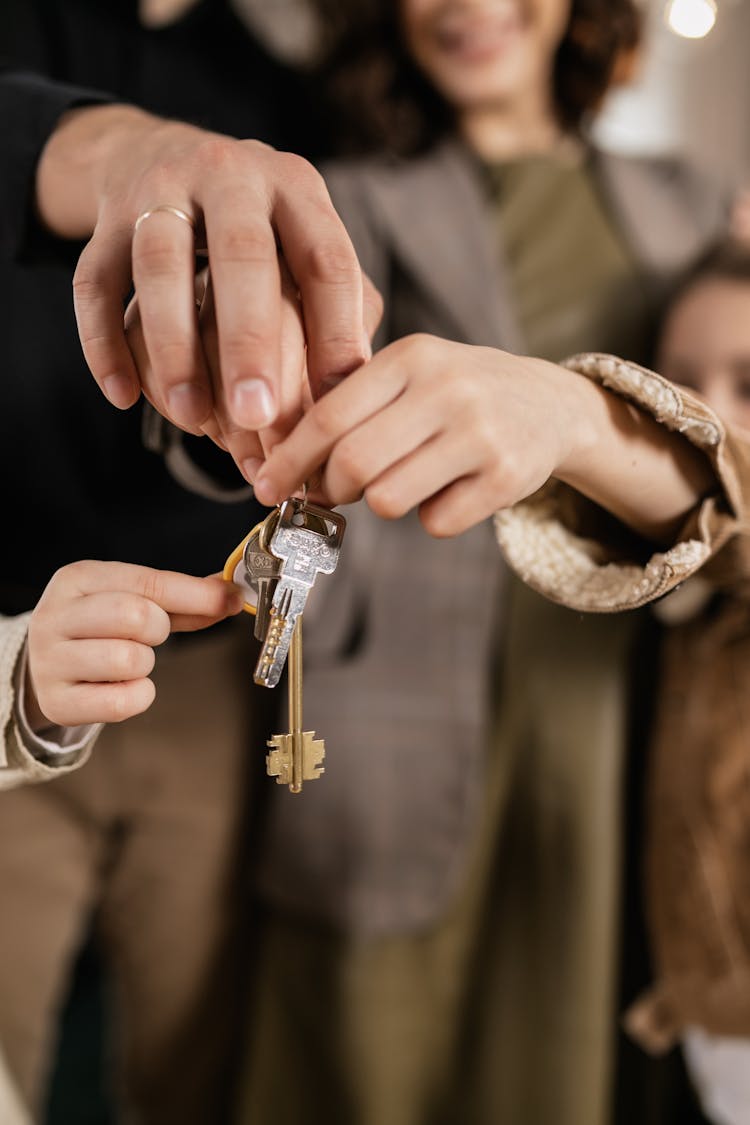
279,760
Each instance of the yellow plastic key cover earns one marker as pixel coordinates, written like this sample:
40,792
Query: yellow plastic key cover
235,571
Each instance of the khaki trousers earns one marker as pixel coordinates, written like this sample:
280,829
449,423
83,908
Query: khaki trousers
143,841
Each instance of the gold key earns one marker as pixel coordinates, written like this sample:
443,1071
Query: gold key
297,756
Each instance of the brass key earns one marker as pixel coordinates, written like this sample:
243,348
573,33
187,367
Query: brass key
297,756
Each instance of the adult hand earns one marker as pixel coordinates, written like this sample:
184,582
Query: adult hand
105,166
459,432
247,447
93,633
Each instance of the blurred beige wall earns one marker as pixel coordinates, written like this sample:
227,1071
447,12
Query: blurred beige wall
691,97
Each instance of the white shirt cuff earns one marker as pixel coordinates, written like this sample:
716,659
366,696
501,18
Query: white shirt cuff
56,742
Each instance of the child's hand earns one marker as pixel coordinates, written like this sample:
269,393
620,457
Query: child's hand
456,430
92,637
461,432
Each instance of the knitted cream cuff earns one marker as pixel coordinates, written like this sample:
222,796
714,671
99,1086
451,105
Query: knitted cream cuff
581,573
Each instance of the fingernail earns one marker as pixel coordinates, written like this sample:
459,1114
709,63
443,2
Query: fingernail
263,491
250,467
188,404
367,347
252,404
119,390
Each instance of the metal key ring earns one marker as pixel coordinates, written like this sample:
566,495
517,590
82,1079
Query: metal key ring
268,527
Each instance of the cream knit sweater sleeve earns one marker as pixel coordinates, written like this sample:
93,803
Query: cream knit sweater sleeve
17,762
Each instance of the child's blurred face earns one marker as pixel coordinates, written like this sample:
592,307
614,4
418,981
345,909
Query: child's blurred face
480,53
705,345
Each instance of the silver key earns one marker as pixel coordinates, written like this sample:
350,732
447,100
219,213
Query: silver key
305,553
262,570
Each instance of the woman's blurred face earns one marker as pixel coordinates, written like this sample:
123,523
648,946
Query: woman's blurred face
482,53
705,345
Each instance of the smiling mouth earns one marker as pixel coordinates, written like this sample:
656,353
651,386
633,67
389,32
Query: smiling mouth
474,38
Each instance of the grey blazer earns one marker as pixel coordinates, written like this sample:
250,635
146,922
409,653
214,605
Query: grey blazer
399,644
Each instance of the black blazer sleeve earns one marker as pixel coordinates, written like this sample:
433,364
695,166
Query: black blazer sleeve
30,107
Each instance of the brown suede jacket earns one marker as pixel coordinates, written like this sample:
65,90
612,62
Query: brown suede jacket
698,789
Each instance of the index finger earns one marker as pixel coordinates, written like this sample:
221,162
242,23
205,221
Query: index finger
175,593
367,391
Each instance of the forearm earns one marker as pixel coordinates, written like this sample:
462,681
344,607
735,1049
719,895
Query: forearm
645,474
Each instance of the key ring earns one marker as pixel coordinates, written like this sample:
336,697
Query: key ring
233,568
232,565
267,528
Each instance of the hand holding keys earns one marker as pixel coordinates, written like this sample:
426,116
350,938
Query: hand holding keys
278,563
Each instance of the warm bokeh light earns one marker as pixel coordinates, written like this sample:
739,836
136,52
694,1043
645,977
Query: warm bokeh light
693,19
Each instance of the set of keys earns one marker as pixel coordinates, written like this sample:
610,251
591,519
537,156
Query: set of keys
277,564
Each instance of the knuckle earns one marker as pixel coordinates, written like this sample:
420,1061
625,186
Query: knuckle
171,356
161,627
62,576
86,290
258,148
87,275
123,659
164,179
59,701
144,696
285,464
327,421
503,474
483,433
332,263
373,297
249,244
384,501
71,575
54,706
435,521
117,707
218,153
346,462
134,614
244,341
156,254
294,168
151,585
417,348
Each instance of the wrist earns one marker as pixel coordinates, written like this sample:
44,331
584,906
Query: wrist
36,720
626,461
579,407
592,413
73,165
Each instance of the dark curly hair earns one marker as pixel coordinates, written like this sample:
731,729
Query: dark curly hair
727,260
383,101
